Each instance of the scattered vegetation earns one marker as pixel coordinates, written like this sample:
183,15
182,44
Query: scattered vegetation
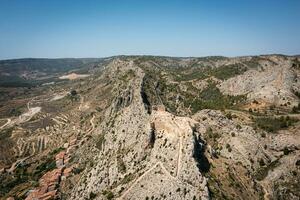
109,195
158,90
121,164
73,92
272,124
128,75
286,151
16,111
212,98
128,177
201,72
57,150
263,171
99,141
296,64
296,109
92,195
24,174
228,147
47,165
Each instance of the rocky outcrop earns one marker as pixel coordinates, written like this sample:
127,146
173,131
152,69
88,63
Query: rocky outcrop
47,186
271,83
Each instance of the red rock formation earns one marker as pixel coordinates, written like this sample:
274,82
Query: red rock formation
47,186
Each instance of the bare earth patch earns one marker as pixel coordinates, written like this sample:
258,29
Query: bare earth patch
74,76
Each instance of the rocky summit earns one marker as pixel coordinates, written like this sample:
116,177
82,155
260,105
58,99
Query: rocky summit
150,127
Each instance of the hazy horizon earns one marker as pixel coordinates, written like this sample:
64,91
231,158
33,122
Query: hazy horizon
95,29
147,55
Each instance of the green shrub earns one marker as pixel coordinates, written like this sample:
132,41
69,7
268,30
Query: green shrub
261,162
92,195
228,115
296,109
286,151
73,92
121,165
238,126
109,195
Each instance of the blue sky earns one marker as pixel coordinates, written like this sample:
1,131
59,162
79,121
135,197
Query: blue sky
57,28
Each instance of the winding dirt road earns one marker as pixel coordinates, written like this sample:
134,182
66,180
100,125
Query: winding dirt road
31,111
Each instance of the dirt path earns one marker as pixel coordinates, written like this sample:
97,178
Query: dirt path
179,155
166,171
92,124
22,118
81,102
91,130
138,180
266,192
143,175
241,114
28,115
16,164
58,96
8,122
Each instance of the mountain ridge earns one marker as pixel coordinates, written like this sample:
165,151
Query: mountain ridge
156,128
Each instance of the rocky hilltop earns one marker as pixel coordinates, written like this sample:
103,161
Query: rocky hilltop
146,127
